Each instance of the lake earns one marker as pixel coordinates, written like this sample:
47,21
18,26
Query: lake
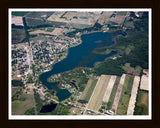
75,56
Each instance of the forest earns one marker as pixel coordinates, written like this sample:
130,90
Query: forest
137,41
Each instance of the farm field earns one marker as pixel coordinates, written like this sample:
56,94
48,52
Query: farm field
39,15
18,35
19,107
145,83
132,101
109,89
113,93
56,31
125,95
141,107
89,89
98,93
118,93
17,20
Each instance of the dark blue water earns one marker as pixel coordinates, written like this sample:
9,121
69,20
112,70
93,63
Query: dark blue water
76,56
48,108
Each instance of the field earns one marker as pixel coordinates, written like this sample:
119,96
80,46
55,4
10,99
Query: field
89,89
80,18
113,93
14,90
132,101
17,20
95,101
118,93
39,15
144,82
125,96
109,89
104,16
141,107
18,35
19,107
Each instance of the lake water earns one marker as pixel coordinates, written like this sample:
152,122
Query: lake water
75,56
48,108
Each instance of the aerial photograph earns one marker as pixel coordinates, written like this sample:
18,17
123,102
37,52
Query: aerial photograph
79,63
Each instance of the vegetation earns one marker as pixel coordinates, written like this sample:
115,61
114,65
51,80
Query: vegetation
19,13
30,111
141,107
61,110
30,78
18,35
76,78
26,30
90,91
16,83
39,102
113,93
137,54
125,96
18,96
112,67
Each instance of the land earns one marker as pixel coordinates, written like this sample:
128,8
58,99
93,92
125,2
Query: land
98,93
41,39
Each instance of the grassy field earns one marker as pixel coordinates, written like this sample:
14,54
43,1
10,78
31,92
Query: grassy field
113,93
89,89
141,107
95,101
125,96
17,35
19,107
14,90
109,88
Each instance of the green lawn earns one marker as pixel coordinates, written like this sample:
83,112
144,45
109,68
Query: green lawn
125,96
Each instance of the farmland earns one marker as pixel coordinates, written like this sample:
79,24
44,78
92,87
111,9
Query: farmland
113,93
125,96
20,106
118,93
132,101
18,35
145,81
98,93
109,89
89,89
142,103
